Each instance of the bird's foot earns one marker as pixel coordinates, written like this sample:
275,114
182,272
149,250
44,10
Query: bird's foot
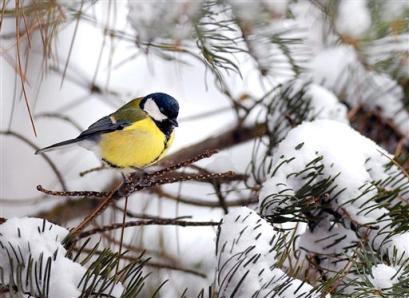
137,176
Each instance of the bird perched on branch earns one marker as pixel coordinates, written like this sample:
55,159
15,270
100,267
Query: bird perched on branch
135,136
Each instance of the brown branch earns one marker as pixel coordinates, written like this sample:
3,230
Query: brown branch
202,203
145,216
84,193
135,183
175,268
95,169
159,221
128,189
185,162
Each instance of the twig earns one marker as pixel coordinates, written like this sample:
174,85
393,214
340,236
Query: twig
134,186
175,268
122,232
184,163
161,222
60,117
145,216
100,168
85,193
20,70
203,203
134,183
72,43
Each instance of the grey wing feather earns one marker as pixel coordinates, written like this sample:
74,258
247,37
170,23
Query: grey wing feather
103,125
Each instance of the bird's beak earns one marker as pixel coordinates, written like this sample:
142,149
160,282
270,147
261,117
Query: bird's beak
174,122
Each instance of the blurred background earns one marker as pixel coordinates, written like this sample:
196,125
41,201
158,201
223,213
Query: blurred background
65,64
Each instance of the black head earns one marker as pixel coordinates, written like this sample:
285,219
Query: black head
163,109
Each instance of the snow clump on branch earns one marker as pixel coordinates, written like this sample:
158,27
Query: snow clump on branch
28,244
347,190
246,250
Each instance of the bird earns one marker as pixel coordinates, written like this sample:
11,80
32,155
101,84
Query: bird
135,136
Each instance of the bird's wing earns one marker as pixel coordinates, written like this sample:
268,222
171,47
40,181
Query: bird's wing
123,117
103,125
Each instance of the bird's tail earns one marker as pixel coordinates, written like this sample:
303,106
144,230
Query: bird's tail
57,145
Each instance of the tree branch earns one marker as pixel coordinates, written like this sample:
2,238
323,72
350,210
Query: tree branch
158,221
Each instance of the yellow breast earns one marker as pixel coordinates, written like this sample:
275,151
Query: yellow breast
138,145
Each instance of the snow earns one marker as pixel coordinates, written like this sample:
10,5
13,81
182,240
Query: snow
340,70
41,240
277,6
246,257
257,11
324,104
334,67
319,243
162,18
353,18
399,245
390,48
321,103
387,96
352,160
220,162
394,9
383,276
309,18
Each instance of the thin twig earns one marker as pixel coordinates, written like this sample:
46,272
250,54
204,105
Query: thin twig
184,163
145,216
85,193
20,70
60,117
96,169
72,43
182,223
135,183
122,232
203,203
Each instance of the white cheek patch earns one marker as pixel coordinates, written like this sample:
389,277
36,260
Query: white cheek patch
152,109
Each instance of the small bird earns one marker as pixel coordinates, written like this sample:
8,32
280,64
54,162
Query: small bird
137,135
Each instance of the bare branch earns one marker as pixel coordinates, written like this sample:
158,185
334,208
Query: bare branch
158,221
